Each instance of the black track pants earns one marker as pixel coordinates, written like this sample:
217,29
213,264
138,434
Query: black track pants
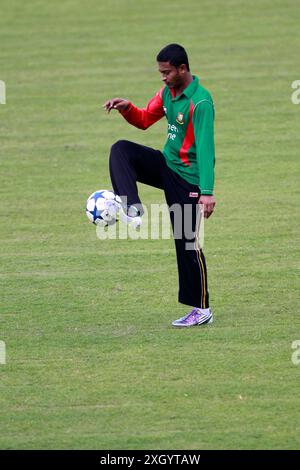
131,163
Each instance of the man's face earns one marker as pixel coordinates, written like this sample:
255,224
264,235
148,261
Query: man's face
172,76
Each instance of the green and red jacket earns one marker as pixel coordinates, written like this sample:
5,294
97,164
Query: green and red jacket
189,149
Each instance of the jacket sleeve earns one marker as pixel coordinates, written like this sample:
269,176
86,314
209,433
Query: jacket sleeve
203,121
144,118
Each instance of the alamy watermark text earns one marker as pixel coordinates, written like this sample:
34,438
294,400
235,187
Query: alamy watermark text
2,92
2,352
295,97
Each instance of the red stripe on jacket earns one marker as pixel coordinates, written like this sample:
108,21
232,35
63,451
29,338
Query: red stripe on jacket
189,139
144,118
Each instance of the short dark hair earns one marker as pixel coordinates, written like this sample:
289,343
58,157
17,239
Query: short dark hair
175,54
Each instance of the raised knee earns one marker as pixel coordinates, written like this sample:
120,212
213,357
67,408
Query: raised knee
118,146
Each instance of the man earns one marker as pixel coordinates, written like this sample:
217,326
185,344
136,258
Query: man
184,170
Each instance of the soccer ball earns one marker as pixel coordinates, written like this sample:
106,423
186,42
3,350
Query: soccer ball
102,207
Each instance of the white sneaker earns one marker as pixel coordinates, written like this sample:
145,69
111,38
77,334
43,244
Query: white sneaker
110,214
132,220
113,208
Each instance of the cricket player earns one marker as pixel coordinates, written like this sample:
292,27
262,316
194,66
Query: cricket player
184,170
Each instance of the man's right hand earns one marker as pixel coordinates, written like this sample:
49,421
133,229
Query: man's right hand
116,103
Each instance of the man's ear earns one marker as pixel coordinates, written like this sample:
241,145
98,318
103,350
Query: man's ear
182,68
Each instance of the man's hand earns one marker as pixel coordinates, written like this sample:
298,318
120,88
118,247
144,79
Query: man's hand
116,103
208,203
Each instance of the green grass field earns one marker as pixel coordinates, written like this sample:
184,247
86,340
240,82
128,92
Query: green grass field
92,361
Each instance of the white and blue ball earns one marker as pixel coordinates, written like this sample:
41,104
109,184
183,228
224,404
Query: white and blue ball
102,207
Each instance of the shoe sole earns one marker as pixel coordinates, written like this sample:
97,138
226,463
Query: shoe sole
205,322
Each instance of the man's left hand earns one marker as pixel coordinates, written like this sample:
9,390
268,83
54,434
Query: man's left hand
208,203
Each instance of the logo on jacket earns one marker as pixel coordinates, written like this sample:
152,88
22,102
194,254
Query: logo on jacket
179,118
